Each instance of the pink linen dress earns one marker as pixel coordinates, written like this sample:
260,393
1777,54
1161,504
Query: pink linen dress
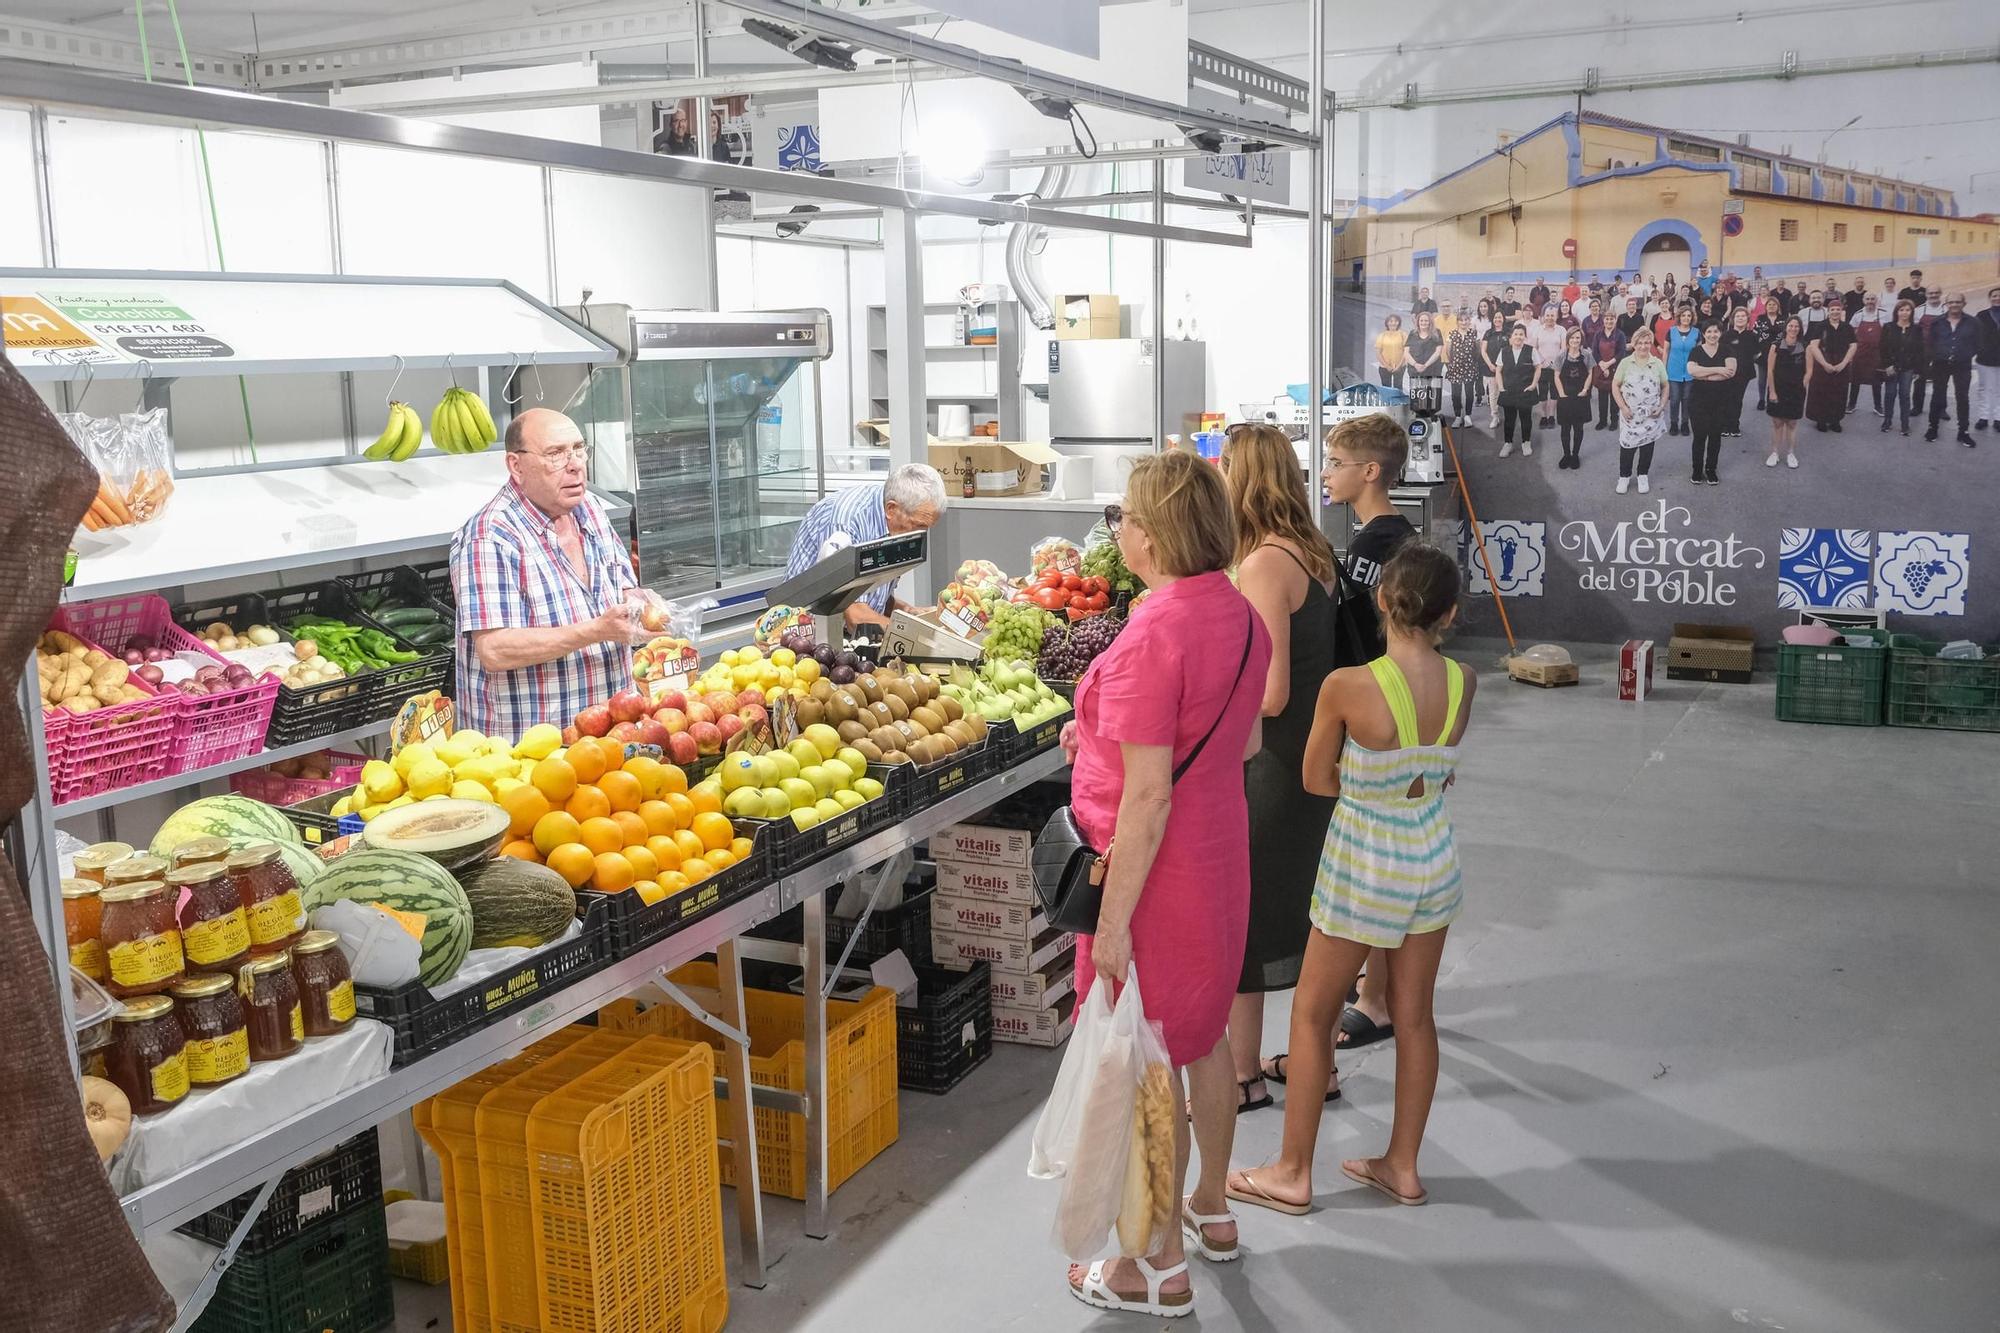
1162,682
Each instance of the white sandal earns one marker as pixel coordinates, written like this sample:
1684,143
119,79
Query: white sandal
1215,1251
1097,1293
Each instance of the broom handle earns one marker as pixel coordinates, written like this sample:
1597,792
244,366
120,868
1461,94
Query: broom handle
1479,538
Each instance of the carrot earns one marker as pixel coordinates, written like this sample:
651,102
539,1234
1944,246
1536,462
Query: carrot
103,515
109,498
91,522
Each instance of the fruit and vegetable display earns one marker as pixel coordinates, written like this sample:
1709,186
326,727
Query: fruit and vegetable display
352,648
666,655
298,664
460,424
1073,595
417,623
1068,650
891,717
1002,690
77,678
815,778
1103,560
840,665
1016,632
977,591
464,766
116,506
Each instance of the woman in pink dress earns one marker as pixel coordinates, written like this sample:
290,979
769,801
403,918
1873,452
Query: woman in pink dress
1177,896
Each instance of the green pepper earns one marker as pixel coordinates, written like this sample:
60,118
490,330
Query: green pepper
383,648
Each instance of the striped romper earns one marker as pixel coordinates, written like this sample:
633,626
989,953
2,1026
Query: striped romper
1389,867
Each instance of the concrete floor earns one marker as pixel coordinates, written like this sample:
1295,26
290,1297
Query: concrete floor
1717,1053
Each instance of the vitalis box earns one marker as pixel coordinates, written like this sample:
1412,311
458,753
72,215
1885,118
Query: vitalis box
1018,956
1035,1027
985,916
981,844
1034,990
1006,884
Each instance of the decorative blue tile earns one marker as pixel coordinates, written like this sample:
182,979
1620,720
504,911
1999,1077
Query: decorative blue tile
1823,567
1923,573
1518,552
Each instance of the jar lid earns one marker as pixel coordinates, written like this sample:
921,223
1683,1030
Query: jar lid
137,867
256,854
199,873
101,854
274,962
316,941
144,1009
132,893
203,984
78,888
201,849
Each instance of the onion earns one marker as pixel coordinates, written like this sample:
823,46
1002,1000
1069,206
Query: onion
229,643
158,655
262,635
133,657
149,673
220,629
141,642
305,650
209,674
238,676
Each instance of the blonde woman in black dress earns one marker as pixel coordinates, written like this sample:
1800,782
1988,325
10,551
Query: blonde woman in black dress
1285,568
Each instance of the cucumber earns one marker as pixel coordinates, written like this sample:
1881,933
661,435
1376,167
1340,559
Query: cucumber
429,636
408,617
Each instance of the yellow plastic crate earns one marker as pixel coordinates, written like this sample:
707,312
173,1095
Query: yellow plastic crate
506,1193
860,1074
447,1123
429,1262
627,1202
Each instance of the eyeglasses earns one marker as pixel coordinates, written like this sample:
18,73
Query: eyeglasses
560,457
1336,464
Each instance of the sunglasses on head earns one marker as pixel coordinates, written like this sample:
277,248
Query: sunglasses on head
1114,517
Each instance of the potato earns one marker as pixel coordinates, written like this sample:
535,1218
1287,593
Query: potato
94,659
109,676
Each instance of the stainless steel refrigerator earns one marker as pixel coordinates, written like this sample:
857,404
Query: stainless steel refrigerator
1101,396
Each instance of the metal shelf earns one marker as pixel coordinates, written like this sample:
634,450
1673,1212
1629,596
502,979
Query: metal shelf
182,781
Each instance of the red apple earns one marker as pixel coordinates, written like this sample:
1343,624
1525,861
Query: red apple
753,715
624,732
627,706
673,719
652,732
707,738
682,749
748,698
728,724
674,699
570,735
699,712
720,701
594,720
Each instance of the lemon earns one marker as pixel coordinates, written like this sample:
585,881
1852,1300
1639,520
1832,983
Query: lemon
429,778
730,657
410,756
341,806
538,742
380,782
465,789
460,746
400,802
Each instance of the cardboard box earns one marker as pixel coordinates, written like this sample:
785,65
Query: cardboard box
1035,1027
1711,652
1034,990
1019,957
980,845
998,469
986,916
1635,669
1087,315
1003,884
1548,675
924,639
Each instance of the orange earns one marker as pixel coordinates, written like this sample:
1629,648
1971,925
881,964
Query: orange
633,827
650,892
613,752
720,858
674,778
644,864
666,852
706,801
696,869
586,759
659,816
573,862
682,806
588,802
713,830
740,847
601,835
621,789
691,846
554,778
673,881
651,774
521,848
554,829
524,805
611,873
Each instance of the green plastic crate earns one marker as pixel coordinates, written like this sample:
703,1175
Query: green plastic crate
333,1277
1951,694
1839,684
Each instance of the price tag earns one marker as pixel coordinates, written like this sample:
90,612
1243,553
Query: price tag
314,1202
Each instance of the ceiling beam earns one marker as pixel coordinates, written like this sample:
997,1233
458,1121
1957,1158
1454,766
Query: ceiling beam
799,78
115,53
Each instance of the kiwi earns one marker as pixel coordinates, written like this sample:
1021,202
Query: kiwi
841,708
946,743
959,732
869,750
886,738
895,757
853,731
927,717
880,712
925,750
978,725
901,688
906,731
871,688
822,689
811,711
953,710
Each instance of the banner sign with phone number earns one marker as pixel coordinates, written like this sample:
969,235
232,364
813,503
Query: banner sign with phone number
60,327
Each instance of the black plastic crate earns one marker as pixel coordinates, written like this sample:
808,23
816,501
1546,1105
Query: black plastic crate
389,686
423,1024
947,777
313,817
299,714
906,926
631,925
436,575
347,1178
333,1277
1016,744
792,847
400,587
948,1033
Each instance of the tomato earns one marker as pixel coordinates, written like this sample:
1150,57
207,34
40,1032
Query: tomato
1050,599
1076,615
1099,602
1078,602
1071,583
1051,578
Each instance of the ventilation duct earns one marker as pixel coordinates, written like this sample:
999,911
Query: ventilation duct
1024,268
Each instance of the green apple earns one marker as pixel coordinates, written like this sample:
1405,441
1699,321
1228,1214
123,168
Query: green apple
767,772
799,792
776,803
867,788
858,762
738,771
805,751
824,738
805,817
786,764
843,776
744,803
820,777
828,808
848,799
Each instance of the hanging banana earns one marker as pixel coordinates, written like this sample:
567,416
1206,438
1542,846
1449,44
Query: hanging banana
391,436
413,434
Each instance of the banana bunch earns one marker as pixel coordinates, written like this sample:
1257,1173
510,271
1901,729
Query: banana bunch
461,424
400,437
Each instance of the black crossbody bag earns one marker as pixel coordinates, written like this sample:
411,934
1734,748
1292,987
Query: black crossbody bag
1069,872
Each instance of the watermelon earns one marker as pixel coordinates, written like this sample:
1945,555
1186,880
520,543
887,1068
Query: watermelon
303,862
516,904
236,819
409,883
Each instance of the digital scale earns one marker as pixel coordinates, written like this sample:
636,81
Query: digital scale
826,590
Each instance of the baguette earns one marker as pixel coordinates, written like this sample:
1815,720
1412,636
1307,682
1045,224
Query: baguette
1157,1106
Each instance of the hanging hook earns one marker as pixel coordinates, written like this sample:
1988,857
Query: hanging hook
89,378
507,380
533,364
389,398
450,374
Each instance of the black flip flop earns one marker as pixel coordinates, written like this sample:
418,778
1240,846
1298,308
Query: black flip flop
1245,1102
1361,1030
1264,1072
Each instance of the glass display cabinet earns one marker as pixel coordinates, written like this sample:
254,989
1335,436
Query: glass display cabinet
711,429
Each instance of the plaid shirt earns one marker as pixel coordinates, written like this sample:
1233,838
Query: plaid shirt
508,572
844,518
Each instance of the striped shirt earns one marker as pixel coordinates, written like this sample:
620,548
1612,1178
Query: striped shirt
508,572
845,518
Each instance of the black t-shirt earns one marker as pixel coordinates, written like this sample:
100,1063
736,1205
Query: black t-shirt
1513,308
1422,349
1374,542
1710,393
1914,295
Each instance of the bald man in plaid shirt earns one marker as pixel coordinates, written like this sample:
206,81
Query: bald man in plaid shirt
547,600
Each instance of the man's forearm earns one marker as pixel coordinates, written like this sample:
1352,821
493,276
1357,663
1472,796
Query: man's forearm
511,649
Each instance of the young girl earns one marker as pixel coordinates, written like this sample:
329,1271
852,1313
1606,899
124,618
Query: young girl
1385,741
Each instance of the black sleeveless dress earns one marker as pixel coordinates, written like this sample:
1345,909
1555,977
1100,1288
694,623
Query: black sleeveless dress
1287,826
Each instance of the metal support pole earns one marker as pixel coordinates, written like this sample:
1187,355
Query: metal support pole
742,1116
205,1289
1159,310
815,1021
903,312
1316,255
45,216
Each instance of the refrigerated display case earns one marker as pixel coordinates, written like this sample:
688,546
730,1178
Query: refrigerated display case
708,425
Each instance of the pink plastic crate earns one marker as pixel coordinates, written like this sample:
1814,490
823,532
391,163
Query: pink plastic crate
212,728
92,753
261,784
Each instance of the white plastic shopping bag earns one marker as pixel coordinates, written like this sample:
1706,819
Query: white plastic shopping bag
1103,1129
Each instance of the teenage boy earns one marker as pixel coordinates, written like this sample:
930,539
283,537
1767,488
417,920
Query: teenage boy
1509,305
1364,457
1914,293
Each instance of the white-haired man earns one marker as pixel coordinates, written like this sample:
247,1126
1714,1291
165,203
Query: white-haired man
909,500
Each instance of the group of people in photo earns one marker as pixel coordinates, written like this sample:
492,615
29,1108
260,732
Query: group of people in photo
1649,357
